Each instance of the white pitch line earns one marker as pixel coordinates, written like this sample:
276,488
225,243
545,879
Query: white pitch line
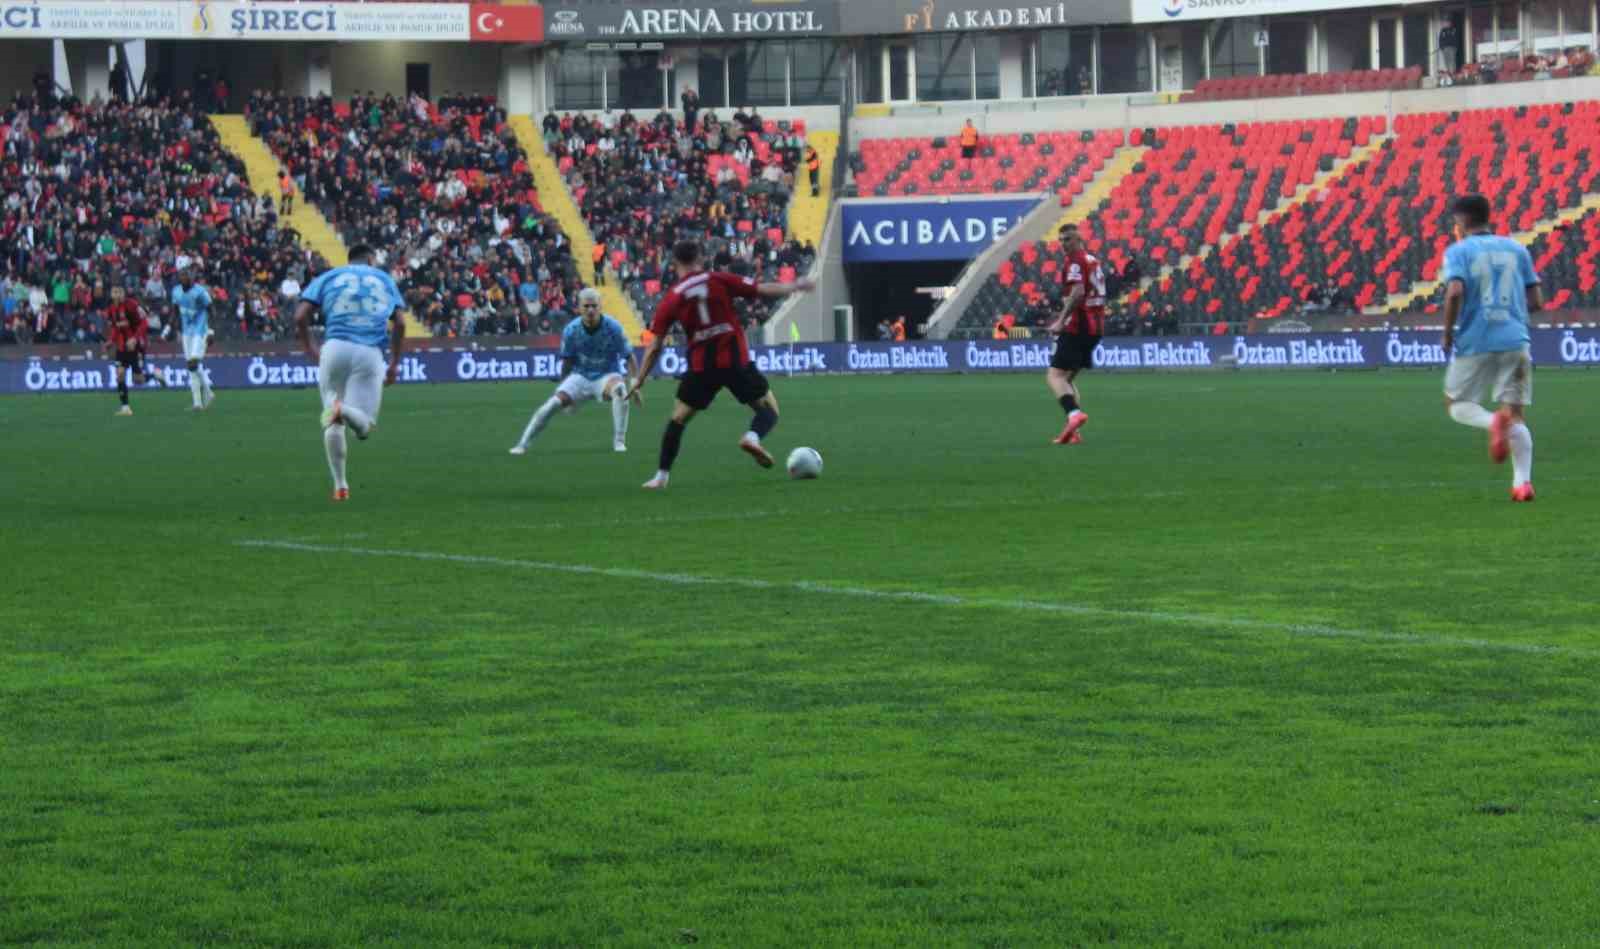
1243,624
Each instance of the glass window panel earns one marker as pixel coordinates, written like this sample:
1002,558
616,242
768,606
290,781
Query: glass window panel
1545,27
1061,62
757,74
636,81
815,72
1233,48
944,67
710,75
578,79
1575,24
987,59
1286,49
1124,61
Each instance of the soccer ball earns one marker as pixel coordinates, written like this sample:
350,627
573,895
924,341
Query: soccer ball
805,463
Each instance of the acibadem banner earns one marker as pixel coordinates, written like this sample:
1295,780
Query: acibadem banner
1551,347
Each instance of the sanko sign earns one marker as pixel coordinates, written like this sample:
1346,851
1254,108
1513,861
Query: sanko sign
654,19
878,231
286,21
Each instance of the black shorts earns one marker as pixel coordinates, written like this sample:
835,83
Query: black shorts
1074,352
698,389
968,151
131,359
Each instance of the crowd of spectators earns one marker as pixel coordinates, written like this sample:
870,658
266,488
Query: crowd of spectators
443,193
1572,61
643,185
110,194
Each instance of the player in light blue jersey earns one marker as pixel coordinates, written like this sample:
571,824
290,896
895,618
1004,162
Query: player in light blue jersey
362,312
594,355
193,305
1490,290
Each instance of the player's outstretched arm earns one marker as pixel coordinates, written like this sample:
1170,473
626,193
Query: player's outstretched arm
773,290
650,356
302,329
397,345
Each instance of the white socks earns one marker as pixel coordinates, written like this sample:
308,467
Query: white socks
540,419
1521,454
195,379
333,441
619,416
1471,413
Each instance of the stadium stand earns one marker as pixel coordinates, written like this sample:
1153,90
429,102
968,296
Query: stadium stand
1192,186
641,185
1060,162
442,190
99,195
1382,226
1311,84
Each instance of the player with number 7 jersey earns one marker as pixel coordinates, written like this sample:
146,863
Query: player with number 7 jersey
719,356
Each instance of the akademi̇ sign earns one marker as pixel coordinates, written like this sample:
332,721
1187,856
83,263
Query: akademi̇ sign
266,20
1167,11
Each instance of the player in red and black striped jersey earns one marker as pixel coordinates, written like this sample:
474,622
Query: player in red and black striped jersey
127,336
1082,320
719,357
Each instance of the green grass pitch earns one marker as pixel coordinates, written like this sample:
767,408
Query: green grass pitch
1270,659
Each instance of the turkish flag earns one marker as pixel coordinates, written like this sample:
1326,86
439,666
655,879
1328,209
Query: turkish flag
507,24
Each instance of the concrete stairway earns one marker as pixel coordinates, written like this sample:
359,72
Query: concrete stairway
1100,187
808,215
558,203
262,168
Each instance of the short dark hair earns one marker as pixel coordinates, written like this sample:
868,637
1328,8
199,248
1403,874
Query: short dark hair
686,252
360,254
1069,230
1474,208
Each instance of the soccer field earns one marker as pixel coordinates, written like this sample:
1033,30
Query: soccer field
1270,658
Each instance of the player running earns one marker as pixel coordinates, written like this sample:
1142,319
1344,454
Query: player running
719,357
1082,319
594,355
356,302
1490,288
129,336
193,304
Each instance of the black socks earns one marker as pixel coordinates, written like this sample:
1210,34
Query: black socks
764,422
671,440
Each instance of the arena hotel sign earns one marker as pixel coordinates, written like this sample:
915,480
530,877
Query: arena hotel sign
268,20
653,19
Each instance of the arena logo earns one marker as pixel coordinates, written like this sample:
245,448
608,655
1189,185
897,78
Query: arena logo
1585,352
927,18
566,23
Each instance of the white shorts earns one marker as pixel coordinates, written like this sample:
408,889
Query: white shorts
194,345
353,374
580,390
1506,377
